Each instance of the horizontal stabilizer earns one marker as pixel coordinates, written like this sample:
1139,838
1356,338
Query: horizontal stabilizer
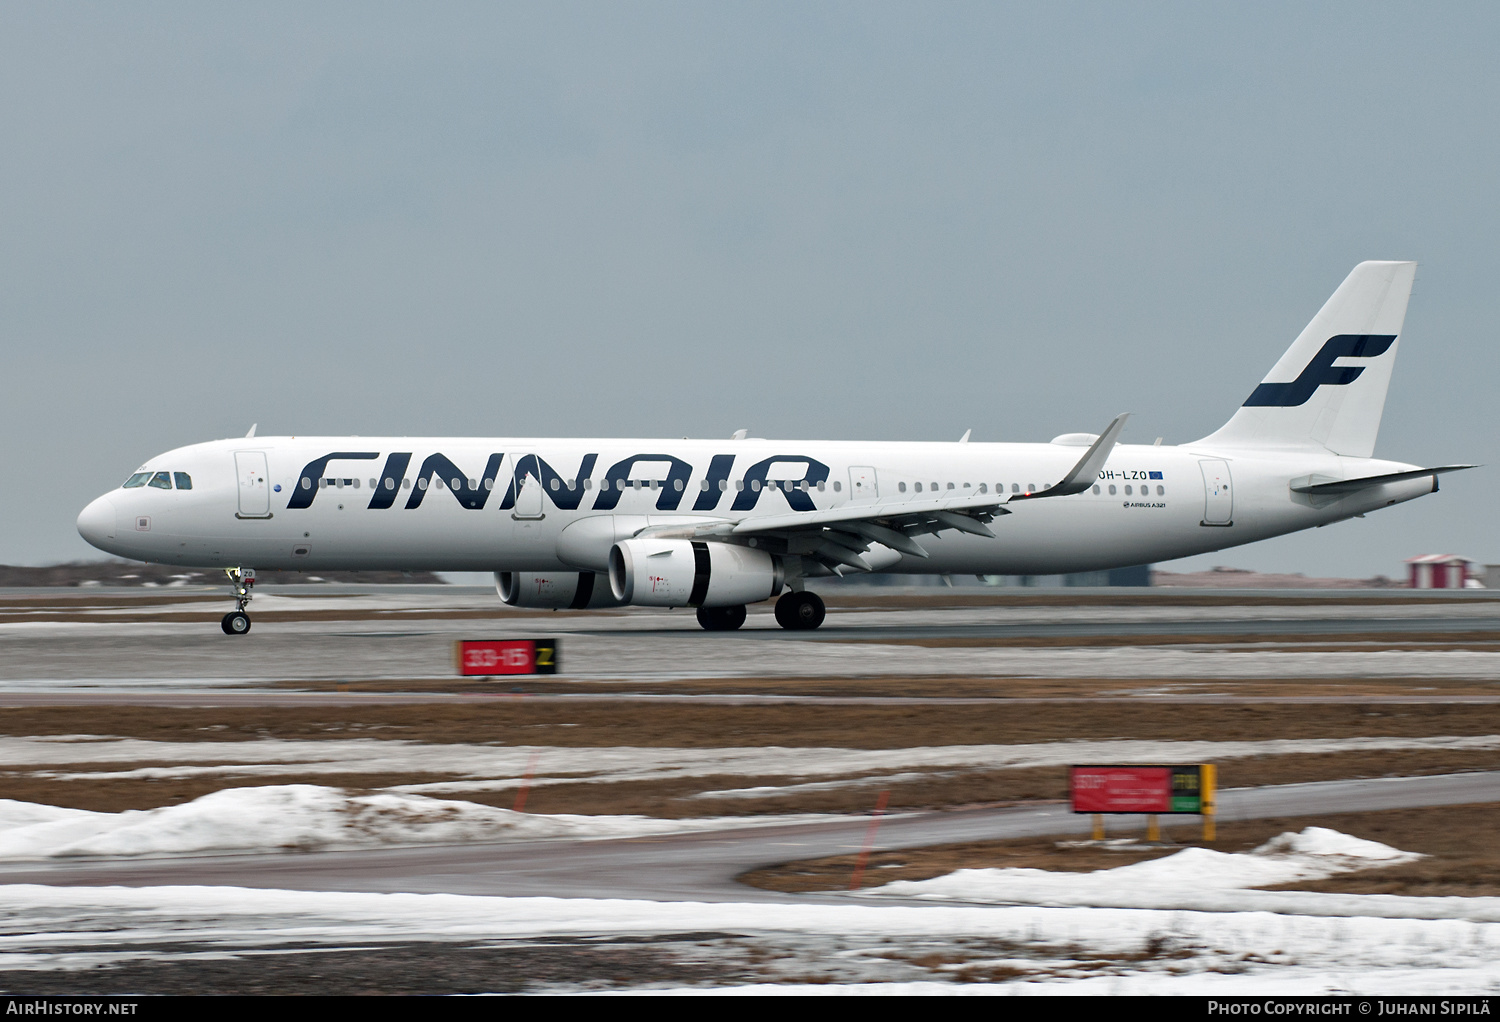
1339,486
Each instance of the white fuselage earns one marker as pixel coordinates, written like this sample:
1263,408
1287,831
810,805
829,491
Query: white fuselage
387,509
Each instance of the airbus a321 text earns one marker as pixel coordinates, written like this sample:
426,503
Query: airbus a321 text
716,525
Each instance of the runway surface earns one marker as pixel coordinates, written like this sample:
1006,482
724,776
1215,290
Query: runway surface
142,641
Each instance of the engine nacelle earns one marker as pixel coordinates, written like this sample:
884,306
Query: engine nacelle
691,573
554,590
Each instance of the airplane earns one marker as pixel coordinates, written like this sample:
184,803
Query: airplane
717,525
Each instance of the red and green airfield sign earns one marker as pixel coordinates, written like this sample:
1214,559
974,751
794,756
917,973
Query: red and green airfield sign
1143,789
488,658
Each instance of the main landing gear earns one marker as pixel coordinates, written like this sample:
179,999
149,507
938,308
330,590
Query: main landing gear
721,619
237,622
798,612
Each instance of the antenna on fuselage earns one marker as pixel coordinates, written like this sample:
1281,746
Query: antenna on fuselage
740,434
252,430
965,438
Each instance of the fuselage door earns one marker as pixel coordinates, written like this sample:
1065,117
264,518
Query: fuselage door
862,483
529,499
255,492
1218,500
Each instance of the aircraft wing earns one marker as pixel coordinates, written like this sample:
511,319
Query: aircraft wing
840,537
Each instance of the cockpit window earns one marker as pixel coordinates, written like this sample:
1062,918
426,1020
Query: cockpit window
161,480
139,479
184,481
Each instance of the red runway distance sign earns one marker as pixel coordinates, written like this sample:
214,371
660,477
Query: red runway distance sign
1140,789
489,657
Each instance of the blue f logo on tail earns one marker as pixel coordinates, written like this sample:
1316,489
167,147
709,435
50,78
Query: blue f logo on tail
1321,370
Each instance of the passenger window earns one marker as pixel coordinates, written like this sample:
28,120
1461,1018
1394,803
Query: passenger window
184,481
950,486
919,487
1127,489
1096,489
837,486
161,480
139,479
1015,487
723,485
821,484
934,487
901,487
1111,489
1161,491
555,485
406,484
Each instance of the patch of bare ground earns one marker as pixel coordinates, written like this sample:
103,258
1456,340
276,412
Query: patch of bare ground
352,613
1339,642
117,794
1462,857
1060,690
682,797
1132,598
603,723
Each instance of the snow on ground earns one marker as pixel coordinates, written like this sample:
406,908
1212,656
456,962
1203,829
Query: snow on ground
495,767
1070,939
1034,949
306,817
1202,879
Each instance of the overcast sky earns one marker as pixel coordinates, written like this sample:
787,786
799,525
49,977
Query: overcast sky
814,220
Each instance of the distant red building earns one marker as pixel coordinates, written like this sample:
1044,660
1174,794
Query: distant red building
1437,571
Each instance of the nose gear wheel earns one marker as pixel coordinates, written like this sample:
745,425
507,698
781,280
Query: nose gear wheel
237,622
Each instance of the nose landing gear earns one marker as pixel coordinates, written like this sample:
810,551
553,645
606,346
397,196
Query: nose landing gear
237,622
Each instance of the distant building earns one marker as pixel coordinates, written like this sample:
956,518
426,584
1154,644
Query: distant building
1437,571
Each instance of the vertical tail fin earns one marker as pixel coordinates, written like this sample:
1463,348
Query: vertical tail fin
1329,388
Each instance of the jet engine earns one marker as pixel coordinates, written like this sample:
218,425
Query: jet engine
690,573
554,590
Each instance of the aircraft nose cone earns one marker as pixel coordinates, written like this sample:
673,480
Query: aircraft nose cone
97,522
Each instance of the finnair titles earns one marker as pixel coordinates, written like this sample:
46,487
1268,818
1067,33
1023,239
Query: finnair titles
717,525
